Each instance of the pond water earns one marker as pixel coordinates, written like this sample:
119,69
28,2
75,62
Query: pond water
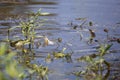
65,15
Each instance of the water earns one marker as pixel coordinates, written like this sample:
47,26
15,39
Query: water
103,14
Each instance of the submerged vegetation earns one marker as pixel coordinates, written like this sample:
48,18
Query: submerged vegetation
18,53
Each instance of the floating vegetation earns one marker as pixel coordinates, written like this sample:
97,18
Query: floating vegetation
80,25
118,40
41,71
90,23
92,35
80,18
59,55
66,56
106,30
49,58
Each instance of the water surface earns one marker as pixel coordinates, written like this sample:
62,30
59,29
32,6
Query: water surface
103,14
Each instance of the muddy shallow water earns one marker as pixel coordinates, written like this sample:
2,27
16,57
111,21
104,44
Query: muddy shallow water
65,15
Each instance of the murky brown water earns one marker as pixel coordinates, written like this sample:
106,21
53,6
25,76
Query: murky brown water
103,14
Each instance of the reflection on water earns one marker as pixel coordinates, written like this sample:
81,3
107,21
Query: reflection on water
103,14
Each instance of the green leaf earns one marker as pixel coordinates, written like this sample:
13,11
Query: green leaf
108,47
105,48
11,70
2,49
59,55
2,76
15,27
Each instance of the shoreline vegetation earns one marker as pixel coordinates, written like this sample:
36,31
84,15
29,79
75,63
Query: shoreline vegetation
12,2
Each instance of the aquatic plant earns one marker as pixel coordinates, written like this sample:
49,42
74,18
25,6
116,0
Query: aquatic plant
90,23
42,71
59,55
92,35
9,67
28,29
96,65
